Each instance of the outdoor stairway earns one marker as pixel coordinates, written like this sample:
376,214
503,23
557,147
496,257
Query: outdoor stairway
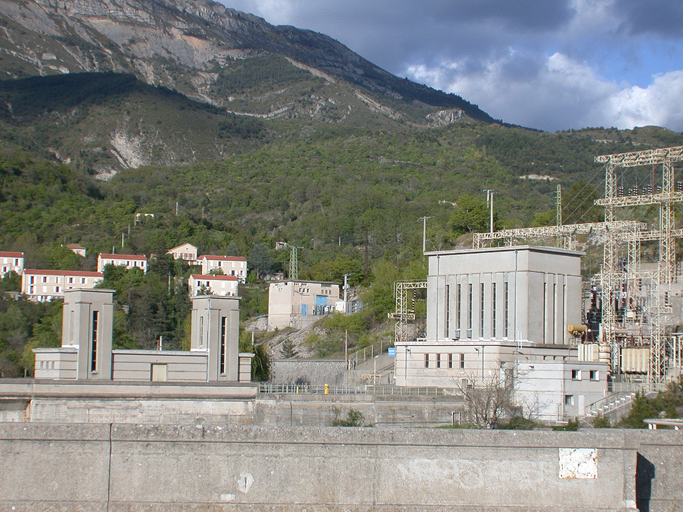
608,404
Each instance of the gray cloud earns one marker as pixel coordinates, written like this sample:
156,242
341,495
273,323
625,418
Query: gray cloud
660,17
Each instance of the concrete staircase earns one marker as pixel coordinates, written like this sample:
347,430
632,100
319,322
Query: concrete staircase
613,406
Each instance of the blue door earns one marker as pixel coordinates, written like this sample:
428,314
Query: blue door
304,309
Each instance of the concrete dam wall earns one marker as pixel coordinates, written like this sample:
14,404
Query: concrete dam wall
124,467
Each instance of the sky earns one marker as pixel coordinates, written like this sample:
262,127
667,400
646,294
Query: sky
545,64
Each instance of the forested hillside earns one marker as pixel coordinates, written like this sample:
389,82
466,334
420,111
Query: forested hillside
350,198
136,129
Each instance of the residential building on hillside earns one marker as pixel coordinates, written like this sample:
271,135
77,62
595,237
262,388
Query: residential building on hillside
228,265
223,286
502,312
300,303
47,285
186,252
78,250
11,262
122,260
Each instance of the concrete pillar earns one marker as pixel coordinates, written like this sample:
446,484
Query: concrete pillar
215,329
88,320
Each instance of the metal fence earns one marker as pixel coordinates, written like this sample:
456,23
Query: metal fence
266,387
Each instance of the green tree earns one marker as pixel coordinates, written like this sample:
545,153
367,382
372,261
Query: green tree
260,364
353,418
471,214
288,350
261,260
641,408
10,282
578,204
46,334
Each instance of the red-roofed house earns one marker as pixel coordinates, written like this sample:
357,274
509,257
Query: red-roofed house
224,286
186,252
122,260
78,250
47,285
230,265
11,262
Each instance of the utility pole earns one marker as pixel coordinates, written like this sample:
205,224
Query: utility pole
346,287
424,233
489,202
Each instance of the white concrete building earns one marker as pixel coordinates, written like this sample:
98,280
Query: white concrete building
47,285
300,303
228,265
185,252
495,309
11,262
86,352
122,260
223,286
552,390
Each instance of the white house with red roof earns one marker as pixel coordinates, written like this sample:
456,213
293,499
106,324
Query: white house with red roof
185,252
47,285
122,260
230,266
11,262
223,286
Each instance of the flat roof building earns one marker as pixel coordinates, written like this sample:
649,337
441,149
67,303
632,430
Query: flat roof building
11,262
489,310
122,260
223,286
47,285
299,303
228,265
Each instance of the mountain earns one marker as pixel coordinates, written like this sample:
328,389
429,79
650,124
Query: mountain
213,55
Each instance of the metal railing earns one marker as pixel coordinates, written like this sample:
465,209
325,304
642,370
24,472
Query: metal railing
269,388
363,354
304,389
412,391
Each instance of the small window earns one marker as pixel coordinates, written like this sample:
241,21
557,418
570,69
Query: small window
462,361
576,374
450,360
438,360
594,375
568,399
426,360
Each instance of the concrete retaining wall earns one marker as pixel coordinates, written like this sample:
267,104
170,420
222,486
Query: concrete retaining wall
291,410
194,403
314,372
150,468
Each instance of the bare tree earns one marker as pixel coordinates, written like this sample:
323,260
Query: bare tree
489,399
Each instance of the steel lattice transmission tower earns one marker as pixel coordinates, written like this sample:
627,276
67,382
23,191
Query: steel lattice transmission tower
612,276
404,314
294,261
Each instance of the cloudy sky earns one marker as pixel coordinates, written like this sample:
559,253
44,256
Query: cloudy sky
547,64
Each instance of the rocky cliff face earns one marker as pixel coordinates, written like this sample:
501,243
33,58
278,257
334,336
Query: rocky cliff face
182,44
210,54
